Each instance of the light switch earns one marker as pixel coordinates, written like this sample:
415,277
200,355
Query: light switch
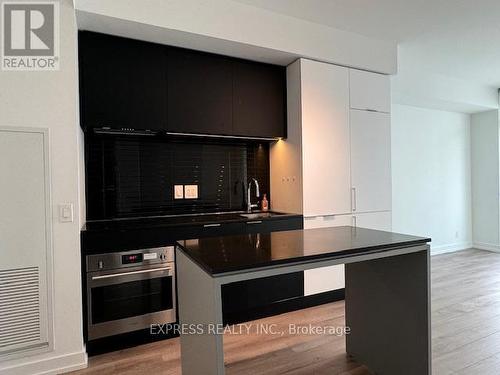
178,191
191,191
66,213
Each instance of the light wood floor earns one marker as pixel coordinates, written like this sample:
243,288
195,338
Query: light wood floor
465,332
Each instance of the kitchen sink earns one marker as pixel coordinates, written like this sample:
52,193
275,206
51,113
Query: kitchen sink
259,215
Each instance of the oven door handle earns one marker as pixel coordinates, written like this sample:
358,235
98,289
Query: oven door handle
131,273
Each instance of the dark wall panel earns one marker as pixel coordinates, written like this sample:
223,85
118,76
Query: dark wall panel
131,176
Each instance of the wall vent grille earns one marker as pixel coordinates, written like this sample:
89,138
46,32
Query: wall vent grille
19,308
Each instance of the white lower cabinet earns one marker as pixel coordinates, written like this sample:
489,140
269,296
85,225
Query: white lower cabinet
374,220
327,221
324,279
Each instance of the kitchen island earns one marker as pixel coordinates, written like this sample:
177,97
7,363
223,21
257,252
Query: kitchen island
387,305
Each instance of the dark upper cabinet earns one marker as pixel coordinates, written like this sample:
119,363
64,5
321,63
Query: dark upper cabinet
122,82
126,83
200,92
259,99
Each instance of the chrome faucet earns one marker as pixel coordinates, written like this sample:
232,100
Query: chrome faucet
257,194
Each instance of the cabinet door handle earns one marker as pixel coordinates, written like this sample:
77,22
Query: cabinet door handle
254,222
354,221
211,225
354,198
168,269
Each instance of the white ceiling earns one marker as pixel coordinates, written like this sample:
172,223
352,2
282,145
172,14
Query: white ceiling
455,38
448,50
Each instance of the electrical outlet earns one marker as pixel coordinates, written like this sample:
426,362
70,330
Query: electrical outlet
191,191
178,191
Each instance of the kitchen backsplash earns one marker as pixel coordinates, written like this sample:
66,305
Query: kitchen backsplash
134,176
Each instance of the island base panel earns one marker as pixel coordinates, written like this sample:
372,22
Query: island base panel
199,299
388,311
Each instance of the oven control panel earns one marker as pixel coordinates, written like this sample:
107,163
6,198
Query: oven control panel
109,261
133,258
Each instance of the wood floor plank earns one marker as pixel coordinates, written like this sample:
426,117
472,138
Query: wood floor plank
489,366
465,332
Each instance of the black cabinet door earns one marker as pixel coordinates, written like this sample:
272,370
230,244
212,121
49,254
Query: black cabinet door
259,100
268,226
123,82
199,93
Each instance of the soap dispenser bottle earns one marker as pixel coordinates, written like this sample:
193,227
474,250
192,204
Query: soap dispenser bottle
264,203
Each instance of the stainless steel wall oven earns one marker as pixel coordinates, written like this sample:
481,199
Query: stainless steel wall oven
128,291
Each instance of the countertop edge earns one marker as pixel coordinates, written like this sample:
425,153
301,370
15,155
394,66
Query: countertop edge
215,273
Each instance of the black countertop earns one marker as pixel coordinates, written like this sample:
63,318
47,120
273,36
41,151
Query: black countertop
140,233
218,255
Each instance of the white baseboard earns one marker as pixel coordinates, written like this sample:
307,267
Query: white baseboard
443,249
49,366
486,246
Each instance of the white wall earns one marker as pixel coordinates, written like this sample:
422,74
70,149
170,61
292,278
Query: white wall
49,100
431,176
429,90
485,179
285,156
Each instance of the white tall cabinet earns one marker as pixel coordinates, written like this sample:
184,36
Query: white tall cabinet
325,138
369,91
370,161
340,122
